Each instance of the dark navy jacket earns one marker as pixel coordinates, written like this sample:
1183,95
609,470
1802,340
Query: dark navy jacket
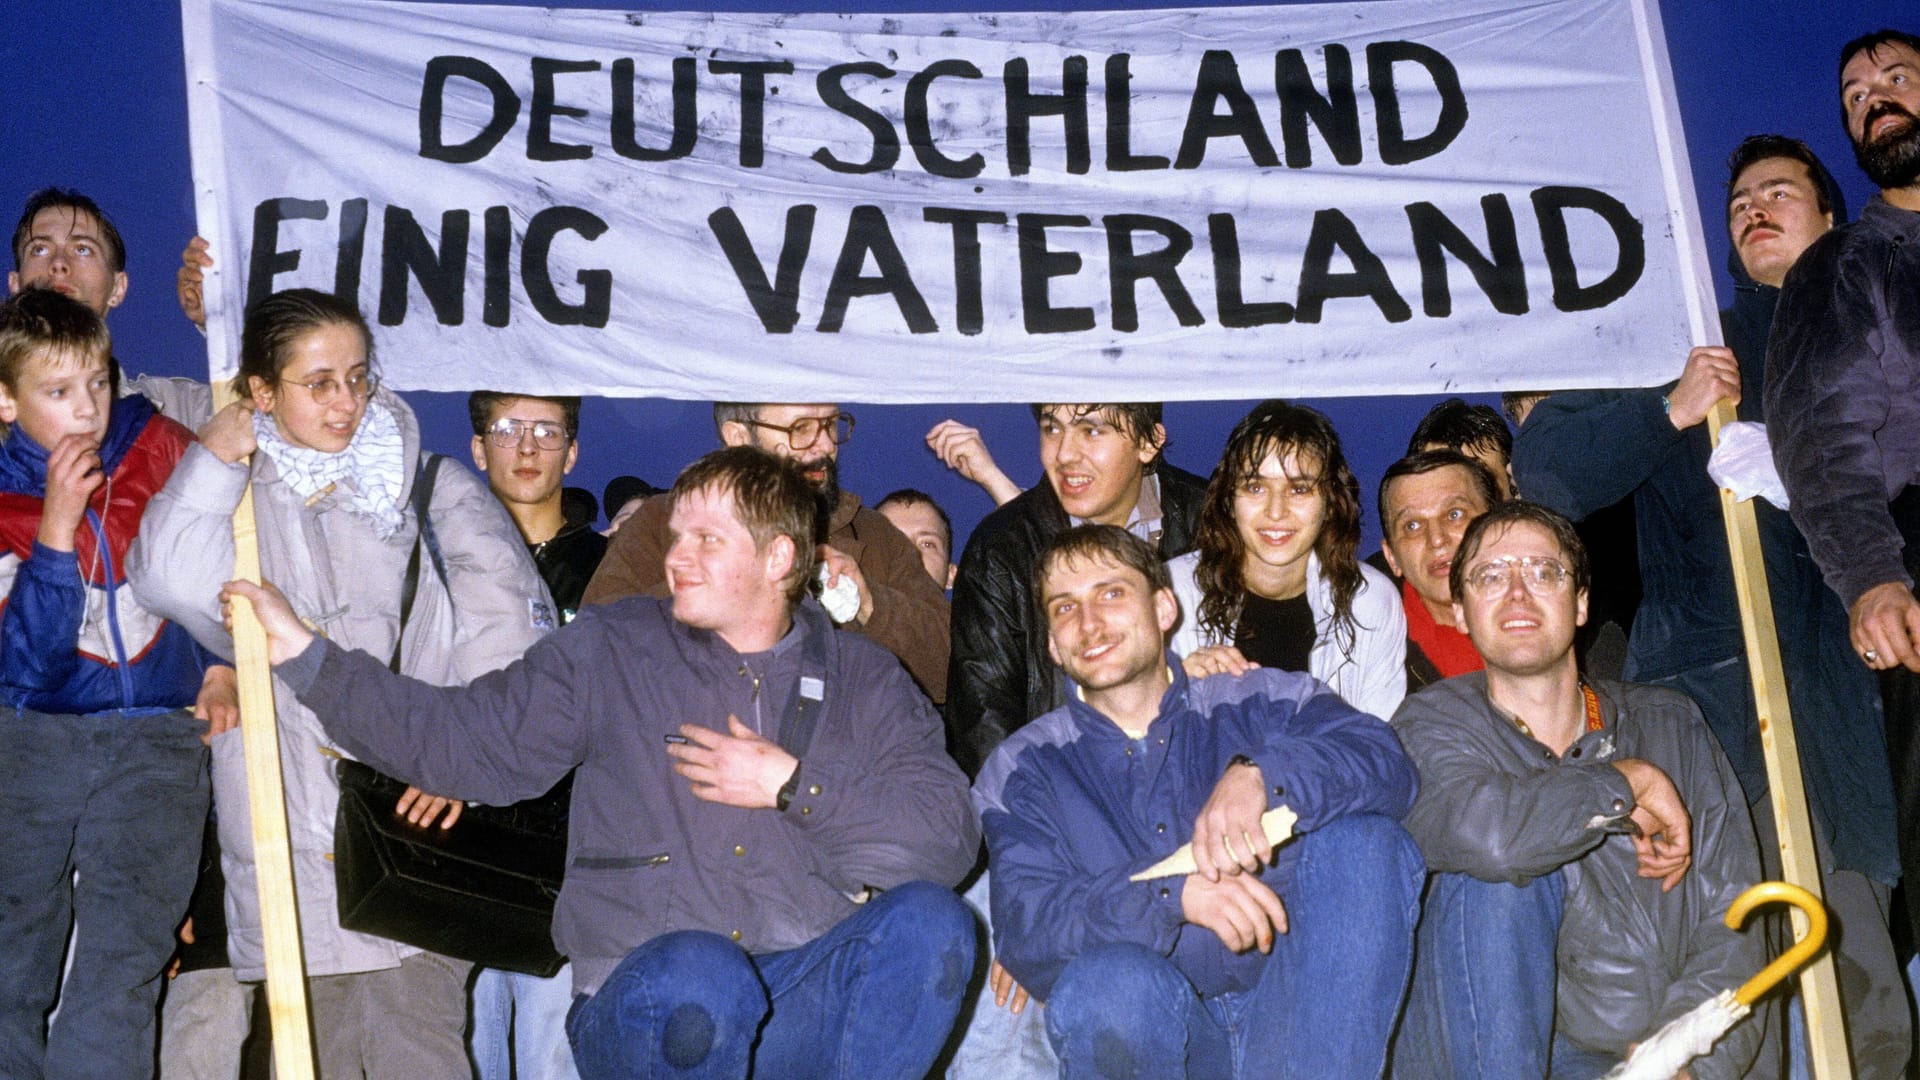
1072,807
73,640
1581,450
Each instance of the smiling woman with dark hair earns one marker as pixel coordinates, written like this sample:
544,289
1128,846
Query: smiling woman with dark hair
1274,580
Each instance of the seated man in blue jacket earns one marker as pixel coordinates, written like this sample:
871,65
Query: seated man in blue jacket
760,804
1259,964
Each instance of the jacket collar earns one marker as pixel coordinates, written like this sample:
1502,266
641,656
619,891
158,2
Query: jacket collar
23,462
1093,721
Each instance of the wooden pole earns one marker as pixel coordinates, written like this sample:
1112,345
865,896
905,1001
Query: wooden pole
1819,985
293,1051
1786,790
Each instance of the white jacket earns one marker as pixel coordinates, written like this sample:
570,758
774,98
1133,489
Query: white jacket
344,580
1372,677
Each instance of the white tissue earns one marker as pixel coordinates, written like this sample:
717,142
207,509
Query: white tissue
1743,463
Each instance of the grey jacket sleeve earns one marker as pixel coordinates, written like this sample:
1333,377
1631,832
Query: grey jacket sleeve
1826,396
188,402
507,736
184,551
1475,818
1726,860
495,588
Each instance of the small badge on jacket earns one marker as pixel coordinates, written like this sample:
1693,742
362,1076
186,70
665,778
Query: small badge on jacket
540,614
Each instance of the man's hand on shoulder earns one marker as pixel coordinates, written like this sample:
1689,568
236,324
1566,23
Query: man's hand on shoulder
1665,838
738,767
1239,908
1885,626
1216,660
1227,837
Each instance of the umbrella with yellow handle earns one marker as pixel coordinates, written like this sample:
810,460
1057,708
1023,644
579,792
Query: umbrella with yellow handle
1668,1050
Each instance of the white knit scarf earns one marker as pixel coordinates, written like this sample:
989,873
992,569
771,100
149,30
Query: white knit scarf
371,466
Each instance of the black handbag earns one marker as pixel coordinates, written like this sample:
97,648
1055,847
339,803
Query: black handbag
483,890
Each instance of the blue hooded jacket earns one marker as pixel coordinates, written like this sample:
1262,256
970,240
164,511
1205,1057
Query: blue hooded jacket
73,640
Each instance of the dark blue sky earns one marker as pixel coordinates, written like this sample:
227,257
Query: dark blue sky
96,100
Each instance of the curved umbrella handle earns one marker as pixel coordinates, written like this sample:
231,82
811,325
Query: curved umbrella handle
1771,892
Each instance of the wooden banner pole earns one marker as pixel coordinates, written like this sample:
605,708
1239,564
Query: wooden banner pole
1819,983
293,1050
1786,790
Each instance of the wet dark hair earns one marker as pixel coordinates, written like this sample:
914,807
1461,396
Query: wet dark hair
1506,515
1136,420
916,497
1426,461
771,497
1755,148
275,322
41,321
480,405
1456,424
1277,427
1109,542
69,199
1870,43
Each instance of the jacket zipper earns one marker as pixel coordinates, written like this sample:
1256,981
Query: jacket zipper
124,675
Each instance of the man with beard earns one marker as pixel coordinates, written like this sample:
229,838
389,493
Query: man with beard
872,577
1842,402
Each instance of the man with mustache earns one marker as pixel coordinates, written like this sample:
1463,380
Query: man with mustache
1583,450
1842,402
872,565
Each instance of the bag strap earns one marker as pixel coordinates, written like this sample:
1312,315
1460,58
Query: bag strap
425,474
803,710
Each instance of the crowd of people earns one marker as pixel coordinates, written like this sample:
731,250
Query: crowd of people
842,804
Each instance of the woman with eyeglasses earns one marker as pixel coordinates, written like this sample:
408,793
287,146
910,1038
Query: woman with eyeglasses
332,459
1274,579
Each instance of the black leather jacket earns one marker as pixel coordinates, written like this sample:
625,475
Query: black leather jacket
999,675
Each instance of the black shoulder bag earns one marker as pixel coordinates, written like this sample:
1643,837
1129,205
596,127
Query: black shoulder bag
481,891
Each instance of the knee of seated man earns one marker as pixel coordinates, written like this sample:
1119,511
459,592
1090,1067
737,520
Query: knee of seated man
1377,849
1116,980
1500,904
920,922
689,966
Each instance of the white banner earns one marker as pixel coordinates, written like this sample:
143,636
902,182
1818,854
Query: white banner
1394,196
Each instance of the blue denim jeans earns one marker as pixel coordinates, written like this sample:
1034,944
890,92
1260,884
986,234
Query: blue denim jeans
520,1026
1325,1001
122,799
1483,980
874,997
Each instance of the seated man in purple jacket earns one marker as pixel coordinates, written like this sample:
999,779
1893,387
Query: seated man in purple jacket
760,804
1259,964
